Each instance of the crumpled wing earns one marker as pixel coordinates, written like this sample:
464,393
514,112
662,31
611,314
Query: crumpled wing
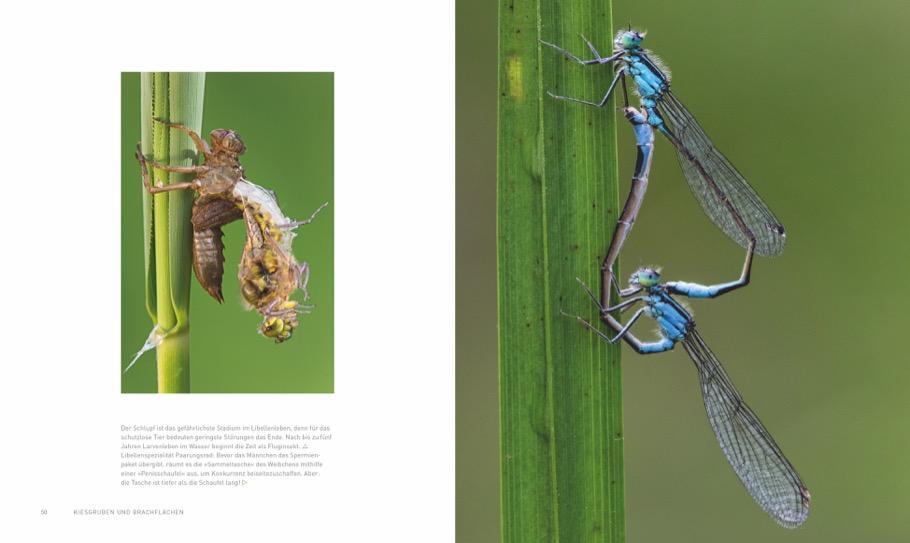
757,460
209,214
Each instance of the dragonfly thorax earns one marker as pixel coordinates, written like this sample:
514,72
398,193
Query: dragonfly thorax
673,319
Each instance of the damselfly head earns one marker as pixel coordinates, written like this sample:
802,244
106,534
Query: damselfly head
629,39
645,277
227,140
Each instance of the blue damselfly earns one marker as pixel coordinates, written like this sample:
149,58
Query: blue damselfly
723,192
754,455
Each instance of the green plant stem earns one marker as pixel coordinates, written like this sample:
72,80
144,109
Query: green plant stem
560,386
176,97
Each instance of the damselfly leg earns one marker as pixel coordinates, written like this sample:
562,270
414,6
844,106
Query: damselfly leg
622,306
596,60
603,101
620,74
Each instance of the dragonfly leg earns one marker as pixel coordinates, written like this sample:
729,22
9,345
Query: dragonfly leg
622,306
596,60
695,290
189,185
177,169
586,324
295,224
626,292
590,46
625,329
590,294
200,143
602,102
639,346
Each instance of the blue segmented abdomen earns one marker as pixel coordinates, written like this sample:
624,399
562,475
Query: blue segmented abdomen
695,290
665,344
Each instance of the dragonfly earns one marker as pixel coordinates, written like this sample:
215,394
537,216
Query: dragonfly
269,273
758,461
721,190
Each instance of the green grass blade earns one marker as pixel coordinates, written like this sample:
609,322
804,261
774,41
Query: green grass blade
148,209
175,97
185,100
560,394
161,153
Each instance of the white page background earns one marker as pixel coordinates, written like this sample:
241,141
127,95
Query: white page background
389,472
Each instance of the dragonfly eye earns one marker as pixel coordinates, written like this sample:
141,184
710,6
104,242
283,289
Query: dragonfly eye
217,135
233,143
227,140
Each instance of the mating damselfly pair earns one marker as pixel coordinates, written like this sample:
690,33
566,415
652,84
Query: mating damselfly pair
732,204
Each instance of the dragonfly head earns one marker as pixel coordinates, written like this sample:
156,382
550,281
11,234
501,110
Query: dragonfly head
629,40
280,321
278,328
227,140
645,277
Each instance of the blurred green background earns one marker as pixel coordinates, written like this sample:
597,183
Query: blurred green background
286,122
809,100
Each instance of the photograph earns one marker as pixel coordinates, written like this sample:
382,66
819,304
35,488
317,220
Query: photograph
227,232
465,271
681,320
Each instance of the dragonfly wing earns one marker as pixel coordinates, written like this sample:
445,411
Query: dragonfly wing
757,460
713,178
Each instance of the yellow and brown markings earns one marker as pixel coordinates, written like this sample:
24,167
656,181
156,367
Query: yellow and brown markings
268,274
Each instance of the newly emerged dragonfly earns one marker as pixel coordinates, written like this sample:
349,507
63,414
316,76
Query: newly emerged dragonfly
754,455
269,274
724,194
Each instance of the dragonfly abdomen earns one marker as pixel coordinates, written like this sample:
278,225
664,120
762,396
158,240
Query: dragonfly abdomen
209,214
208,260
